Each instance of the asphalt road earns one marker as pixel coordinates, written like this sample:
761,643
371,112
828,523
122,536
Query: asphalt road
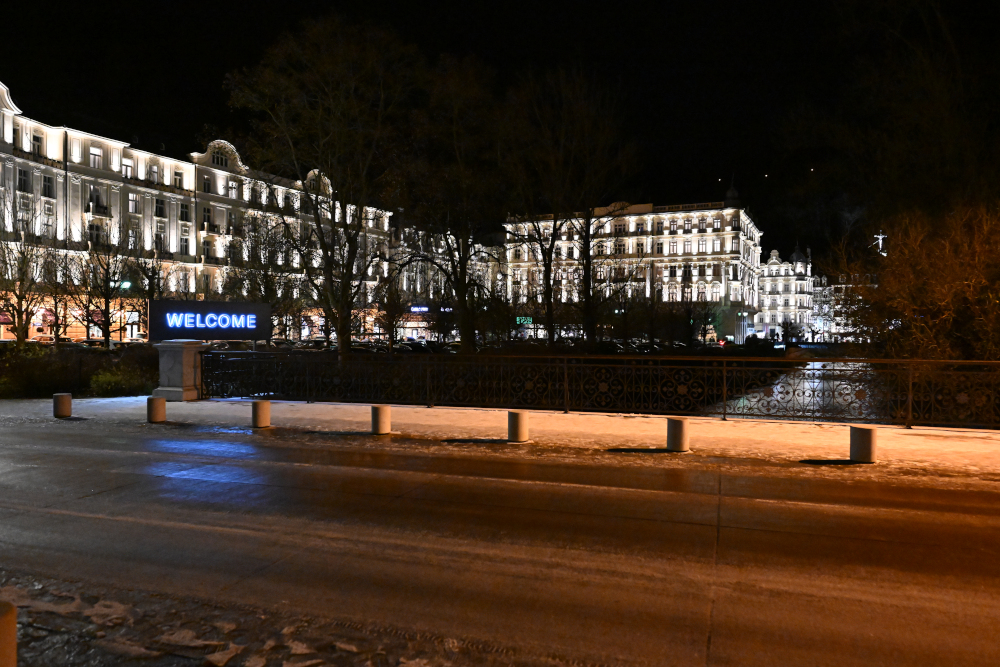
703,565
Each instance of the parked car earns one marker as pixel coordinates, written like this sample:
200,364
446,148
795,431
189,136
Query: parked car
99,342
43,339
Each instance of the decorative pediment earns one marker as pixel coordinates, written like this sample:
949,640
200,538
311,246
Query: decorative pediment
6,103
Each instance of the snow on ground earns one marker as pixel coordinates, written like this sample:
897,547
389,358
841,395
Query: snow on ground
943,453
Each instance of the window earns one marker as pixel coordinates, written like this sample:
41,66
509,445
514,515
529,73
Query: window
786,302
154,174
716,293
185,239
571,252
687,225
160,209
127,167
659,248
206,248
673,247
619,228
716,223
179,180
517,253
36,144
672,272
206,183
96,157
186,212
206,215
659,226
701,245
219,159
701,292
673,225
48,187
619,247
640,228
133,236
234,190
736,245
687,247
717,245
23,180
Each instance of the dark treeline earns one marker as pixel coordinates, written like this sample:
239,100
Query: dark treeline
904,144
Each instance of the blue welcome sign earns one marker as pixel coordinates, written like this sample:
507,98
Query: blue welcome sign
209,320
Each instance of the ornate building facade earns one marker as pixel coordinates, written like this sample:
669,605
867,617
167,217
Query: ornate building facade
189,217
786,297
686,253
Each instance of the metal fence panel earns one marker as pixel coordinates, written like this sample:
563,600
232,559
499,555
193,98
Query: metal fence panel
843,390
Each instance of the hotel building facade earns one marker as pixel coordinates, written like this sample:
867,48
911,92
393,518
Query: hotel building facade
189,216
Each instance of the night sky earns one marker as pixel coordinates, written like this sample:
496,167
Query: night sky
707,86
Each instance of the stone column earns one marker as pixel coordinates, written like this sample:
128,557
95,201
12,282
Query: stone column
180,370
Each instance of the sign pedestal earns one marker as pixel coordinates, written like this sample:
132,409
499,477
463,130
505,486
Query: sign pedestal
180,370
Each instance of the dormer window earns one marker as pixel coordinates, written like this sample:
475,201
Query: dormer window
219,159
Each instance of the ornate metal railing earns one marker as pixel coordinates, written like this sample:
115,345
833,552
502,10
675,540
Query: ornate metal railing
843,390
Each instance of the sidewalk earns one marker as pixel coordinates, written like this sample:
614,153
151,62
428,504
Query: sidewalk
947,457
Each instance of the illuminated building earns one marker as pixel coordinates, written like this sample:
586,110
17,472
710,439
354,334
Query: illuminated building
671,254
786,296
188,217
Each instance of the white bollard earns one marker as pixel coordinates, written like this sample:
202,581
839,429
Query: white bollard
864,444
8,634
677,435
156,409
62,406
517,426
261,414
381,420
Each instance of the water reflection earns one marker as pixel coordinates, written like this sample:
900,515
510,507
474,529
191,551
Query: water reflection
817,391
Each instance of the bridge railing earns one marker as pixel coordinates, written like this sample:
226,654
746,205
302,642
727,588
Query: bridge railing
843,390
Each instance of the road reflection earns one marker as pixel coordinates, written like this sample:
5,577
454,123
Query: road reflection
215,448
219,487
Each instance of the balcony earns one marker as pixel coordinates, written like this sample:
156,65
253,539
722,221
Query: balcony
217,261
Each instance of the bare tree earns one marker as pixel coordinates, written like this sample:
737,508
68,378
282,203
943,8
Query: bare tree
453,186
565,156
392,305
102,275
263,269
22,254
328,104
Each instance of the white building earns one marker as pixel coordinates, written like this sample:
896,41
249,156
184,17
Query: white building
188,215
786,295
697,252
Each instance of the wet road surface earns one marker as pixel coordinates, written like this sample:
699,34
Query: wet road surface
688,566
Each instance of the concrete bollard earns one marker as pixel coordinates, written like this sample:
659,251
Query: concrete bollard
156,409
381,420
677,435
864,444
8,634
62,406
517,426
261,414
